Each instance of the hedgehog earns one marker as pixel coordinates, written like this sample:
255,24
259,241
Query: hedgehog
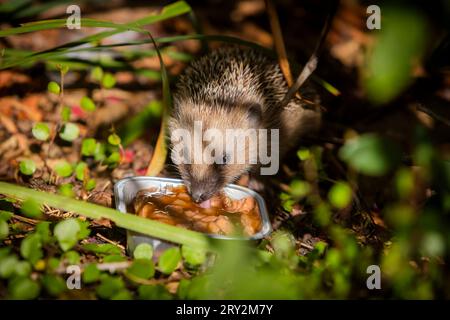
228,90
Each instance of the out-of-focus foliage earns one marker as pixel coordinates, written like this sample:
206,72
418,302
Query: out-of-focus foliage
398,48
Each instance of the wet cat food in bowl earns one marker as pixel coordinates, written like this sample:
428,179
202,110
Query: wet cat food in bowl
237,210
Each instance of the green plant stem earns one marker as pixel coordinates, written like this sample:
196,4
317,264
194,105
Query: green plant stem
128,221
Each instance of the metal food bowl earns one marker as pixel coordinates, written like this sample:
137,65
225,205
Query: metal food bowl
126,189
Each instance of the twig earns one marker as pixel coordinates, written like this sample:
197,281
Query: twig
110,241
432,114
279,43
307,246
311,65
24,219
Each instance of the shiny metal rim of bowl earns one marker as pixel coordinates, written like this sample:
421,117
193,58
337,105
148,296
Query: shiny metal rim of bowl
126,189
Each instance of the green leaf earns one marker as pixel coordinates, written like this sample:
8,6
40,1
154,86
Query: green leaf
169,260
66,112
102,249
340,195
404,181
91,273
66,190
69,132
88,147
143,251
97,74
22,288
153,292
113,159
4,229
142,268
114,258
31,248
192,256
114,139
370,154
63,169
22,269
31,209
90,185
299,188
53,87
43,230
41,131
8,266
27,167
72,257
87,104
54,284
81,171
5,215
109,286
108,81
282,243
304,154
66,232
390,65
99,152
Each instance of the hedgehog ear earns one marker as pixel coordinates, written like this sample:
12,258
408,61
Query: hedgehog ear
254,113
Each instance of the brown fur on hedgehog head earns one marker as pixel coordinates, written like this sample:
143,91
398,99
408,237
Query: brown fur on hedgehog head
204,177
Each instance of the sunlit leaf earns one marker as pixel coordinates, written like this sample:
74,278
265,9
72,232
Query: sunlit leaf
41,131
69,132
27,167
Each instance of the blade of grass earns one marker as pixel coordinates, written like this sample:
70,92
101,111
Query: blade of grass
160,152
167,12
53,53
61,23
128,221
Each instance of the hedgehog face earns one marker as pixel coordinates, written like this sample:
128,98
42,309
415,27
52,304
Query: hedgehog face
213,146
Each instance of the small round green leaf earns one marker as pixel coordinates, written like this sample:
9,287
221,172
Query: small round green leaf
143,251
54,284
142,268
169,260
114,139
31,248
65,113
97,74
22,288
370,154
53,87
87,104
91,273
81,171
90,185
340,195
27,167
66,232
69,132
88,147
108,81
192,256
41,131
63,169
31,209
